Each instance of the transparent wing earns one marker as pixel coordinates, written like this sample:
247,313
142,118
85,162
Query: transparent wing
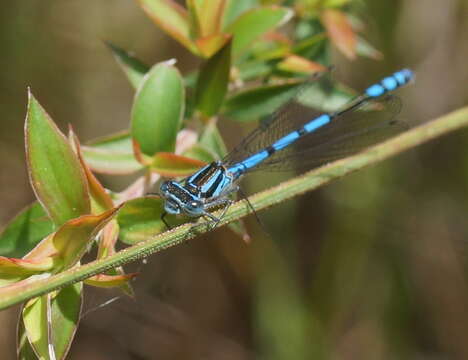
292,115
346,134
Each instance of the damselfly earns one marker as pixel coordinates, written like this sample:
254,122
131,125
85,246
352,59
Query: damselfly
292,132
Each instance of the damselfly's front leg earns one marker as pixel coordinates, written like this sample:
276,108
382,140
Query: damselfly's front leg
225,202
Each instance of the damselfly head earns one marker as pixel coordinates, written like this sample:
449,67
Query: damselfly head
194,208
171,207
179,200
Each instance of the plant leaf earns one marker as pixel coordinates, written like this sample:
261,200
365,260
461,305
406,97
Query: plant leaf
208,15
201,153
24,268
55,171
34,318
364,48
25,231
340,31
65,308
251,104
73,238
172,18
213,80
234,8
212,140
301,65
210,44
68,244
106,247
158,109
100,198
109,281
254,23
24,349
110,161
111,155
172,165
335,3
132,67
141,218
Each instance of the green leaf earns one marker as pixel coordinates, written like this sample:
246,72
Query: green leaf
252,70
212,140
207,16
34,318
172,18
65,309
132,67
252,104
111,155
335,3
24,349
25,231
55,171
234,8
110,162
158,109
249,105
254,23
213,81
201,153
140,219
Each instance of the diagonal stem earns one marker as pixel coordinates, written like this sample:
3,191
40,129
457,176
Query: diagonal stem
20,292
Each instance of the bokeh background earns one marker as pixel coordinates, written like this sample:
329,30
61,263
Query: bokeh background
370,267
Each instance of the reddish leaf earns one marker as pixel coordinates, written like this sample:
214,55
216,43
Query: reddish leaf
210,44
100,198
299,64
139,156
73,238
172,165
68,244
109,281
106,247
340,31
12,266
172,18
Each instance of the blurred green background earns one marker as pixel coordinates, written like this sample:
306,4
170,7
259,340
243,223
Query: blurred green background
369,267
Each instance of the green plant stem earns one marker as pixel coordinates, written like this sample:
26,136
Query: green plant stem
18,292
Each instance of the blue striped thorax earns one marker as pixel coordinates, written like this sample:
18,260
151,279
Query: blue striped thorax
193,194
